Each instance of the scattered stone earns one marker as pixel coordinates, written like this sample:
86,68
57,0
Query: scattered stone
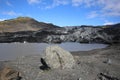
56,57
108,61
103,76
44,65
79,78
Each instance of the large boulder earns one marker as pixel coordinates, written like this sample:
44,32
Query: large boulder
56,57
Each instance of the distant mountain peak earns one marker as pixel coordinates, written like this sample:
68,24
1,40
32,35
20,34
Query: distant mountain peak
23,24
24,17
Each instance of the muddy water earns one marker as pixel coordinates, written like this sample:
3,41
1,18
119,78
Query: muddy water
9,51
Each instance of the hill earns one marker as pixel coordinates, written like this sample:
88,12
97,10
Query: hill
23,24
25,29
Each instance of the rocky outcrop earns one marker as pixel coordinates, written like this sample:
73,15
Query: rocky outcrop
83,35
50,34
87,35
57,57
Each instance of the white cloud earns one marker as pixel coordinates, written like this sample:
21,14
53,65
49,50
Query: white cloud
77,2
108,23
106,7
93,14
111,7
57,3
87,3
34,1
9,4
2,19
12,13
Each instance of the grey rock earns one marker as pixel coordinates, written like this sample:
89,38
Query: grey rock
103,76
82,34
56,57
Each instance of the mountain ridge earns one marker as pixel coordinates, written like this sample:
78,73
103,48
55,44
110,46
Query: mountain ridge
23,24
29,30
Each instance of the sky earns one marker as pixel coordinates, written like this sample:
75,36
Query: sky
63,12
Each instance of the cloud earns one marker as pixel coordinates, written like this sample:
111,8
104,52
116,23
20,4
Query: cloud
108,23
77,2
105,7
110,7
2,19
9,4
34,1
12,13
56,3
87,3
93,14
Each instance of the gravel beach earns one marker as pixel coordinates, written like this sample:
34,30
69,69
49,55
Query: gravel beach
98,64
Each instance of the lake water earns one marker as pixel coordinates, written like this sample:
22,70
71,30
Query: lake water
9,51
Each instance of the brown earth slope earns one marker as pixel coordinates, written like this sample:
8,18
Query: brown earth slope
23,24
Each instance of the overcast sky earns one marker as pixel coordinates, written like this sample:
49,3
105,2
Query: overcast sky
63,12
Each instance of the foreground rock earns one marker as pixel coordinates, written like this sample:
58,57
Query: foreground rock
56,57
90,65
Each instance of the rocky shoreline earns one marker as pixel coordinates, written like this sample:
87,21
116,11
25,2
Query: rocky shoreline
99,64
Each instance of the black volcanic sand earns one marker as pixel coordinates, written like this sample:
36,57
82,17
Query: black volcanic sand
98,64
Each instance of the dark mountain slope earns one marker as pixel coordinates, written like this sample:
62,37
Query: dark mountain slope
24,29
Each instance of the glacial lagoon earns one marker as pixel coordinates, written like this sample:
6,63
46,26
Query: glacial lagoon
10,51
